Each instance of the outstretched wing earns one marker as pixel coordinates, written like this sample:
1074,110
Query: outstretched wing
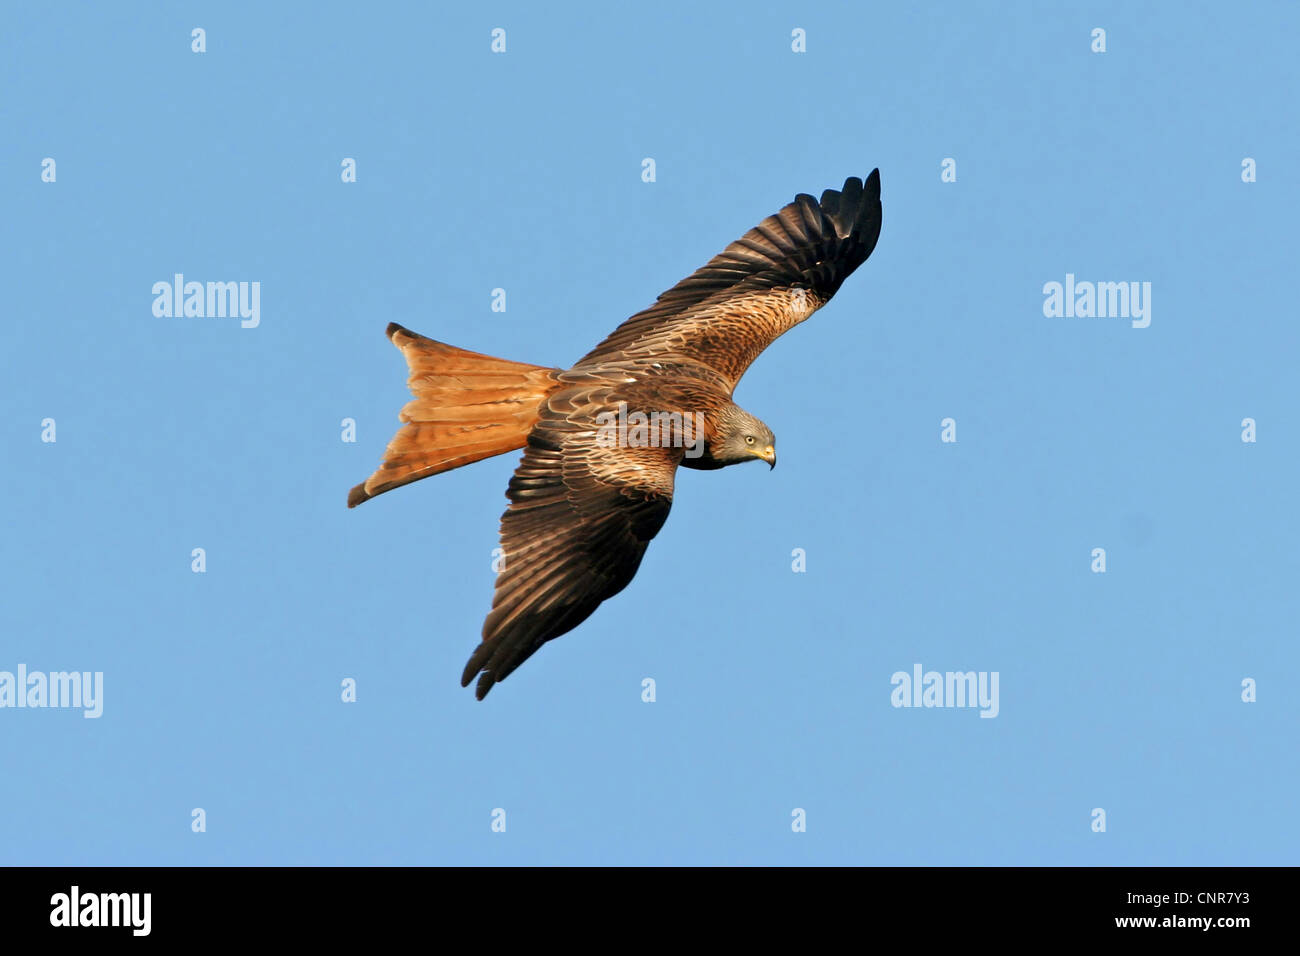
762,285
580,518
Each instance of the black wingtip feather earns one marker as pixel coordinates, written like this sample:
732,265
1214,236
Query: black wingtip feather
809,244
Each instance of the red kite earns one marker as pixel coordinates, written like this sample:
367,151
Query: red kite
596,479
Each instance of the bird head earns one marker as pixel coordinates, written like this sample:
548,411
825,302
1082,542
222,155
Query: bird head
742,437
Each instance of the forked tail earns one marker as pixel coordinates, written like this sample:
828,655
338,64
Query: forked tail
467,407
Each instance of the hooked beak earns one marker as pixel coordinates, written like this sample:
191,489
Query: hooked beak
768,454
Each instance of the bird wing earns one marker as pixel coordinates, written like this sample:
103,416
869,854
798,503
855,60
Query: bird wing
762,285
581,515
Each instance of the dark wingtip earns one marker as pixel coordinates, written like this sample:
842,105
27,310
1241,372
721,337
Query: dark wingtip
394,328
474,668
357,495
474,664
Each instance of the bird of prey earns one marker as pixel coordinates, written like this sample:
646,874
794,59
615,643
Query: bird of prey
595,482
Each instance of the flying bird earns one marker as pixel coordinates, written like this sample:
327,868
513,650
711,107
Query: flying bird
596,482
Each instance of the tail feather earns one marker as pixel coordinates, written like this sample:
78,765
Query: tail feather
466,407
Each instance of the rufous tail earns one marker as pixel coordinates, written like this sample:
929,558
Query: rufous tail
467,407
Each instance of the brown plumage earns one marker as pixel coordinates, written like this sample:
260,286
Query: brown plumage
587,498
467,407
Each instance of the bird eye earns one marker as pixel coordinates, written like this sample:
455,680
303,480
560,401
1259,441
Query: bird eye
749,439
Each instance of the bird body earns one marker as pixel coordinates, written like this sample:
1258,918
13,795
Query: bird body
603,439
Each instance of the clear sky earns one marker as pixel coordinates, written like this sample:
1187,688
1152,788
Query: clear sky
1120,691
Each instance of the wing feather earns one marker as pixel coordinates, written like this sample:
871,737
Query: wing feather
579,521
773,277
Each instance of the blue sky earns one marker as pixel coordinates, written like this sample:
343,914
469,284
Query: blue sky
1120,690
